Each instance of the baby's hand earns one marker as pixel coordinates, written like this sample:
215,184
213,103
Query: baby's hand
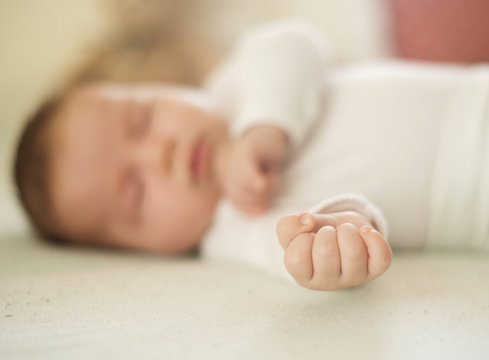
332,251
254,167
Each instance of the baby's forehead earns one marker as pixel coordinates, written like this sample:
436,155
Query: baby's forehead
117,92
84,95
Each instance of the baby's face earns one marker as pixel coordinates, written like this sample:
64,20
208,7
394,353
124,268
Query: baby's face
135,167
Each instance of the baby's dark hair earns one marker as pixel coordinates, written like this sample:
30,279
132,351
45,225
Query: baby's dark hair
32,166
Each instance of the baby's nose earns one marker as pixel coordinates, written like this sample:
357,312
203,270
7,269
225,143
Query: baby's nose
158,154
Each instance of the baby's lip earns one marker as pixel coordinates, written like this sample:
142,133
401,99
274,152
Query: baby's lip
200,161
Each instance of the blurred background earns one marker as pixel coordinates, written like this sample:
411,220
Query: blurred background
46,43
38,42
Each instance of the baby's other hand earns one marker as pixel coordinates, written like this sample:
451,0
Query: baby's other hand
254,167
332,251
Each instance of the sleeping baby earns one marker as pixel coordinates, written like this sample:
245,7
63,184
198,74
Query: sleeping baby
279,160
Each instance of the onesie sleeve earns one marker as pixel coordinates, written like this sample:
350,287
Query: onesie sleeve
275,76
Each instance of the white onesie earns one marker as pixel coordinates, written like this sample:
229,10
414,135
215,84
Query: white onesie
361,135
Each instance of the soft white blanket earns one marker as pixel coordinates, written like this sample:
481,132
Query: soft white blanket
460,192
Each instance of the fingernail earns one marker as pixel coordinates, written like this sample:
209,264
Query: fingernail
366,229
304,219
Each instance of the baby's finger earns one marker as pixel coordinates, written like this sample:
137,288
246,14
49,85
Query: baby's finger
297,258
288,227
351,217
379,252
326,260
339,218
322,220
353,254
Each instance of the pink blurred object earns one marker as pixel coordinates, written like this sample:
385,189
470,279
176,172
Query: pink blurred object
441,30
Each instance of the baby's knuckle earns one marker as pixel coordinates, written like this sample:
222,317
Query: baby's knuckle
346,227
325,233
304,237
348,234
300,274
294,260
298,262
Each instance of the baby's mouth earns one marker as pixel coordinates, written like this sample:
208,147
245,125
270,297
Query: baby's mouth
200,163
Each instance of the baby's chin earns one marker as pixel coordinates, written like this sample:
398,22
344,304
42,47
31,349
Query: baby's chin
179,246
186,241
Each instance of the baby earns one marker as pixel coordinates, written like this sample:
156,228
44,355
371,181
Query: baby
168,169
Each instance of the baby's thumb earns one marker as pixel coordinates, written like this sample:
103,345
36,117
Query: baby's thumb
288,227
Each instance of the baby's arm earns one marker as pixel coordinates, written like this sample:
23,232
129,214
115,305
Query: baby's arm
332,251
279,78
253,168
272,87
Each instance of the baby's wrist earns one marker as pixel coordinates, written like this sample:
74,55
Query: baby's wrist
267,133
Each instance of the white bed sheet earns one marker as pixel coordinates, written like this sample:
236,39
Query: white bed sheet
68,303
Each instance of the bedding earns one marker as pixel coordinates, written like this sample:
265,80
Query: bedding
460,191
67,303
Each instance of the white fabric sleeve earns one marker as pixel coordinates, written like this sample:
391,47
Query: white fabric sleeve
275,76
354,202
